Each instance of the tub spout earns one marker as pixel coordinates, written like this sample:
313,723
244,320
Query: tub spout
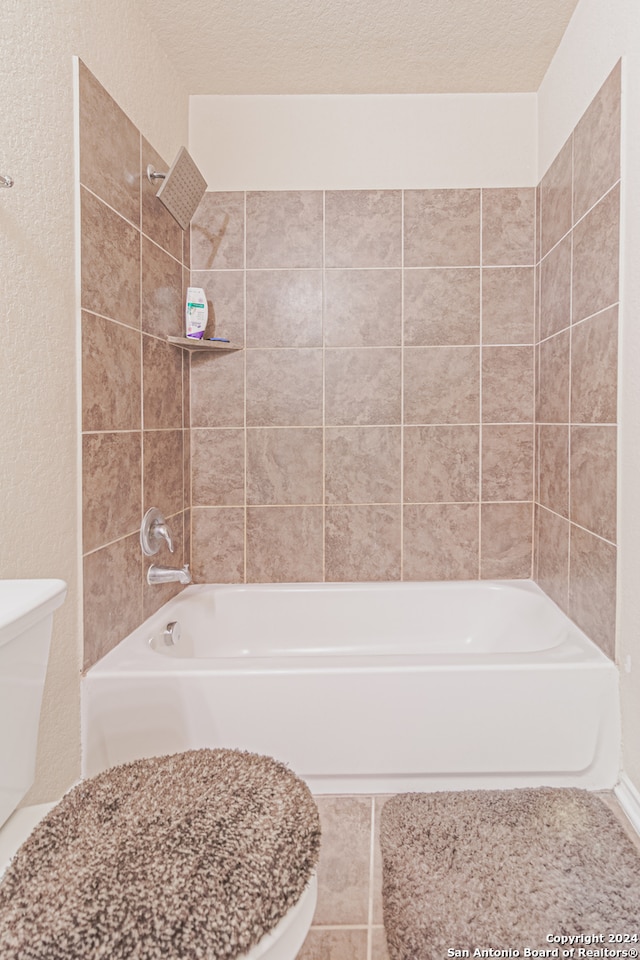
158,574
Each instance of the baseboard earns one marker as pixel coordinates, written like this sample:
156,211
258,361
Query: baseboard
628,797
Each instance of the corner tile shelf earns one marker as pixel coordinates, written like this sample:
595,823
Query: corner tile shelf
190,343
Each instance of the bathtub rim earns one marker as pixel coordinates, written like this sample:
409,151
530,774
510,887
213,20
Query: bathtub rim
129,656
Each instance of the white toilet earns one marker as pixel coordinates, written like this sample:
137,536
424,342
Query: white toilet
26,620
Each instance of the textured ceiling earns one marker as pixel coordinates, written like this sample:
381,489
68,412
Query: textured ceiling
359,46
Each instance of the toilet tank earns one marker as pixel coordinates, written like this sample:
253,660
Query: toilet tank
26,619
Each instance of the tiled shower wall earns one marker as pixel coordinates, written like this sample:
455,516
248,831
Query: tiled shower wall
135,417
378,424
577,345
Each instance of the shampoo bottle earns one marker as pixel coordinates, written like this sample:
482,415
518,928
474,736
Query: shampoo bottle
197,312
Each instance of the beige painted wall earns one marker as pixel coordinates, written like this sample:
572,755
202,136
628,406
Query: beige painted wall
598,34
366,142
39,526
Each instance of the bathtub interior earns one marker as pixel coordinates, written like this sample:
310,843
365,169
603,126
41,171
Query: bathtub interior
386,619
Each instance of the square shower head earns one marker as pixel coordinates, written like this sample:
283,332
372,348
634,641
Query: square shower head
182,189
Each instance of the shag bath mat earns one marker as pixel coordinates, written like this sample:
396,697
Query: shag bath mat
193,856
503,870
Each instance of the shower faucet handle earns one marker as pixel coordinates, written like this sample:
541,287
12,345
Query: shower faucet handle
153,530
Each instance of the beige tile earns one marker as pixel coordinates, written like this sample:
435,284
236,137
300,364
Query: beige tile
162,307
507,462
109,149
284,388
217,467
592,588
376,894
508,226
555,199
442,307
553,380
343,869
186,548
506,540
217,232
186,468
441,228
111,397
536,304
441,385
596,146
154,595
157,222
110,262
284,308
186,247
362,386
552,556
507,305
224,290
284,544
594,366
111,487
217,390
186,389
217,544
441,464
441,541
555,289
284,228
596,257
161,384
334,944
284,465
362,464
507,384
163,463
363,228
593,478
363,308
538,225
553,467
112,596
362,542
379,950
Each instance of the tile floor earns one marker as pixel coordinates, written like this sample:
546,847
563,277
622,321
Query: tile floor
348,920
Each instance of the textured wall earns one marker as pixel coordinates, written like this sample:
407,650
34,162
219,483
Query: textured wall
38,402
577,357
379,423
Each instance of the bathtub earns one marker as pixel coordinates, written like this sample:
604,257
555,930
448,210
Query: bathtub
365,688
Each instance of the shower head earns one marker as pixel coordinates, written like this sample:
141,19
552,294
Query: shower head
182,188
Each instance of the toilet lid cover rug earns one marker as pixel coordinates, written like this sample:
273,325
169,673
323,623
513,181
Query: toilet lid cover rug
194,855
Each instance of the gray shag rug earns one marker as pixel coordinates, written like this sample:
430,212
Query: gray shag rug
195,855
503,869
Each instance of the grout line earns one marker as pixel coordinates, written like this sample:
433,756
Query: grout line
402,275
324,412
142,503
372,849
244,382
480,433
569,511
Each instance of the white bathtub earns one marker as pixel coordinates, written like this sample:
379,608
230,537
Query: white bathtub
371,688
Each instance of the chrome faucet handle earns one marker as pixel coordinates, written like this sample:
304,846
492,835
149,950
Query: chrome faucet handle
161,530
153,530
